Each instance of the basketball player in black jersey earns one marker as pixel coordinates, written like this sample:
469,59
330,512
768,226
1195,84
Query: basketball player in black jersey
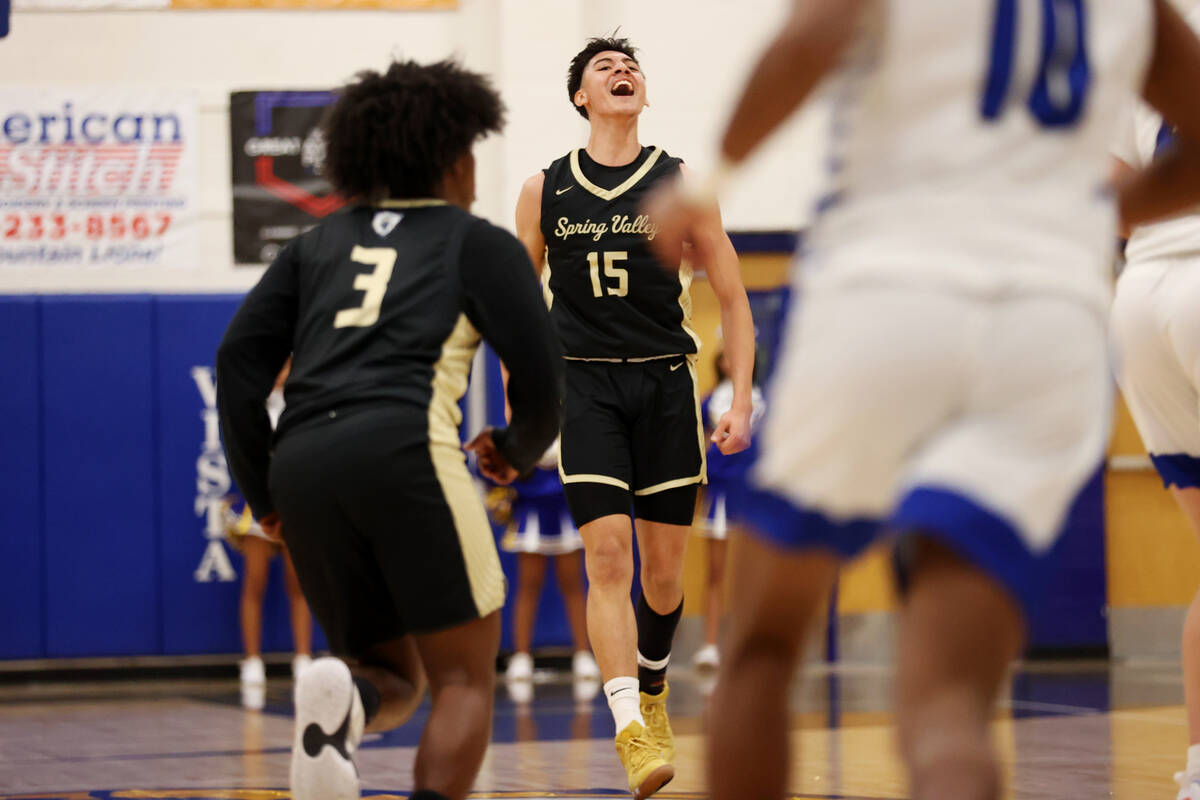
632,438
383,307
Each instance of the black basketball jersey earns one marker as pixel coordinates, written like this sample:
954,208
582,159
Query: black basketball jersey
612,298
386,306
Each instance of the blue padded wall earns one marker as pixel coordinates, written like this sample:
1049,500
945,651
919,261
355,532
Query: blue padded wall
98,420
198,616
199,607
21,593
99,481
1072,614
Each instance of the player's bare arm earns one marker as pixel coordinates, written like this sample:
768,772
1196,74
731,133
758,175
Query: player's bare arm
732,434
529,232
529,220
503,454
1172,183
1165,188
806,48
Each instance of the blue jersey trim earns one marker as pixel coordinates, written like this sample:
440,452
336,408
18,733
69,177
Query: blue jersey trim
999,77
777,520
1177,469
979,535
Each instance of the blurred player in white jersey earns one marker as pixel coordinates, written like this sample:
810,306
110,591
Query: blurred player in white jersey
1156,342
944,375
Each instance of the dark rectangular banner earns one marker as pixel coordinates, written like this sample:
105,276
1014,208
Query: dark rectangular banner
278,150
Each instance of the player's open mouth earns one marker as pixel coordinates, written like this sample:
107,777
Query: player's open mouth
623,88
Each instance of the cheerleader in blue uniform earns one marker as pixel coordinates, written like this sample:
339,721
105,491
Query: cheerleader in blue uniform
541,530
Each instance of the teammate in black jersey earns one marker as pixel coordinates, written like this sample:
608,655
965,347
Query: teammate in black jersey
632,436
383,307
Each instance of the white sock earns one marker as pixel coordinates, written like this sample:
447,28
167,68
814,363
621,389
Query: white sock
1193,764
624,701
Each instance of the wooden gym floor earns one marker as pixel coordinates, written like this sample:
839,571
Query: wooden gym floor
1069,730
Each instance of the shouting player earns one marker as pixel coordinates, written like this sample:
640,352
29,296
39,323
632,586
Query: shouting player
632,441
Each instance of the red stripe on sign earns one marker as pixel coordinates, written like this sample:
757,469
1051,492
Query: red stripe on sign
59,148
264,170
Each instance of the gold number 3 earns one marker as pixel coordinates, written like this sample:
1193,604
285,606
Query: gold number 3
374,283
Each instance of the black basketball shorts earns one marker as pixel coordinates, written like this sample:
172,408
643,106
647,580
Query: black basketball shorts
386,530
632,426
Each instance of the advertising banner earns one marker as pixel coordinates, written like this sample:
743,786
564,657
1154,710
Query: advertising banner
313,5
97,177
278,151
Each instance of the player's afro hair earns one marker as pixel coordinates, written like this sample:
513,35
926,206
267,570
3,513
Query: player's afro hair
398,134
580,61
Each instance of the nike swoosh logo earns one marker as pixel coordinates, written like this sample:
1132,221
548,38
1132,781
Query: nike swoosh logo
564,191
676,366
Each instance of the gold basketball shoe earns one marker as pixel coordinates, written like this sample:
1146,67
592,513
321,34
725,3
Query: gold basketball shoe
654,711
647,770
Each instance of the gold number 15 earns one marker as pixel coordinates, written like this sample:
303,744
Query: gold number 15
610,271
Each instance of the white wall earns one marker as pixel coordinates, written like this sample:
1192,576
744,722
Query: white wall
694,55
696,62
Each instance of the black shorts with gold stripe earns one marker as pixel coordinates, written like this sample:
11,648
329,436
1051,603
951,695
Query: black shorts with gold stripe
632,439
386,530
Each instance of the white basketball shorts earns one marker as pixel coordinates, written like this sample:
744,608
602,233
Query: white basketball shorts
1155,331
975,421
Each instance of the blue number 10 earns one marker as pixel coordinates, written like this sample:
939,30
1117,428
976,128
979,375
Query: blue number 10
1057,96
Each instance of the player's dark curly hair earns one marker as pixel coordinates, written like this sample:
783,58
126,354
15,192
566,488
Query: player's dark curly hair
580,61
397,134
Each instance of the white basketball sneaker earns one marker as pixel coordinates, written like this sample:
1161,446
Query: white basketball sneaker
329,727
520,667
252,672
707,658
584,667
1188,789
300,662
